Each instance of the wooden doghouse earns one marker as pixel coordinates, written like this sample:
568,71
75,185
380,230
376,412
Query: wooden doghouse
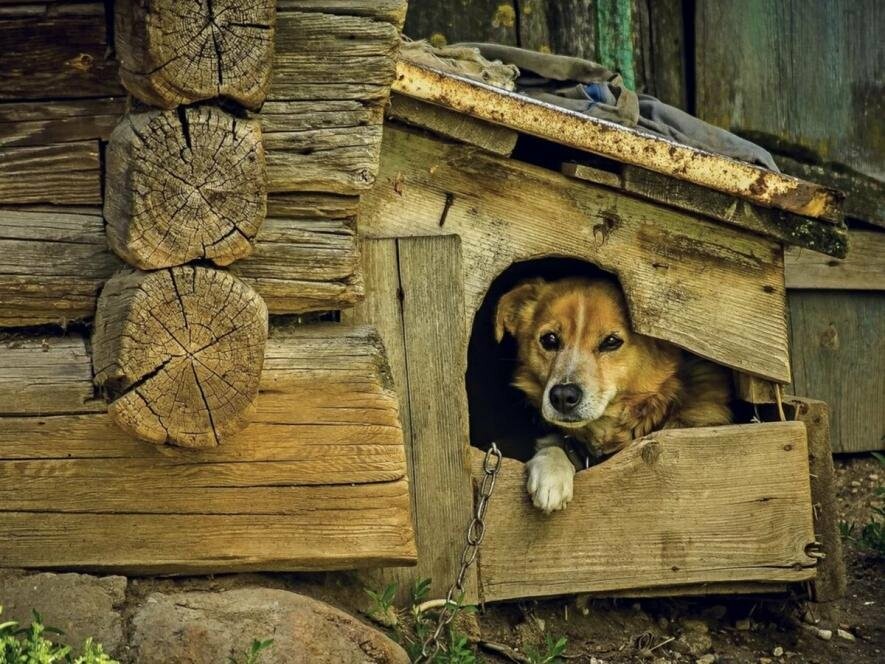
479,186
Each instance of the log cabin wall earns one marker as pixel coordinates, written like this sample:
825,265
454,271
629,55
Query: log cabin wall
167,180
732,64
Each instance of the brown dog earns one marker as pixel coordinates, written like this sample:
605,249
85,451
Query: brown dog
590,375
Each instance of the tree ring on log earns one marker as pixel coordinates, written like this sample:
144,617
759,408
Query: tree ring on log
184,186
174,52
180,353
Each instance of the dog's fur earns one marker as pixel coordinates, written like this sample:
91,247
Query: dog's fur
641,386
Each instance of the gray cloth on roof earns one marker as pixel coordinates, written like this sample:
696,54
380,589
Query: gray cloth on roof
586,87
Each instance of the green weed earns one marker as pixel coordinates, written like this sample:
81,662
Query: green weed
30,645
551,654
253,655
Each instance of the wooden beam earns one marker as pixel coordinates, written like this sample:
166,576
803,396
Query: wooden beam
449,124
754,390
59,173
724,288
316,482
824,237
862,269
647,517
53,261
623,144
48,122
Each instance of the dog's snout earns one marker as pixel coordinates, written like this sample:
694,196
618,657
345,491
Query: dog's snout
565,397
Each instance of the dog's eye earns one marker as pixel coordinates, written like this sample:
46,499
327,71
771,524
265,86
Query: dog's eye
611,342
550,341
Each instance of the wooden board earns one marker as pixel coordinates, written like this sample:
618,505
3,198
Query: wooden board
647,517
316,482
862,269
838,350
48,122
61,54
784,226
53,261
417,300
530,116
449,124
724,288
806,78
59,173
479,20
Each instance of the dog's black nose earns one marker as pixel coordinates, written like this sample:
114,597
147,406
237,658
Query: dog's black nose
565,397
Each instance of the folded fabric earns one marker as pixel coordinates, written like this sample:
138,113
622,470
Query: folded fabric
585,87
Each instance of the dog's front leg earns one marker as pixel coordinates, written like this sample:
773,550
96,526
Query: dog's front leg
551,475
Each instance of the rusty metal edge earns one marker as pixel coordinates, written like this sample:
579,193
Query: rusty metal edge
530,116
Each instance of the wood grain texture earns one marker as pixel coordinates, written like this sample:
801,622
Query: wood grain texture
180,352
623,144
805,77
184,186
831,582
479,20
50,374
46,122
665,74
62,54
820,236
724,288
838,351
316,482
449,124
862,269
754,390
392,11
648,518
172,53
53,261
59,173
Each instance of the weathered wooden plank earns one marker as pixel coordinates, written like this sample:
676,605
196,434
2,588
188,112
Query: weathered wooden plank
825,237
724,288
666,77
61,173
830,583
449,124
48,122
332,57
433,315
647,518
392,11
754,390
838,351
45,375
614,38
479,20
862,269
316,482
630,146
749,77
61,54
54,262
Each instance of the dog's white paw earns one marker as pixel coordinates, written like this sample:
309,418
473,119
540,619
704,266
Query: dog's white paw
551,478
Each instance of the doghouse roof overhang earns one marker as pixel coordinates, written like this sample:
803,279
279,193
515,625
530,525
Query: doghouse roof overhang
804,203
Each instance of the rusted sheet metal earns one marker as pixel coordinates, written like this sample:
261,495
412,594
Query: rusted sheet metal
608,139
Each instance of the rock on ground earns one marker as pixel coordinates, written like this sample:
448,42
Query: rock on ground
78,604
205,628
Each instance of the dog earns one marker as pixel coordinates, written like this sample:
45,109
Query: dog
595,380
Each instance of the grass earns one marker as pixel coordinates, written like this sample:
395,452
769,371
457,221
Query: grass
869,537
253,655
33,645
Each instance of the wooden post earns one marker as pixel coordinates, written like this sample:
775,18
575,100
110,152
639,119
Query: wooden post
177,53
180,351
184,186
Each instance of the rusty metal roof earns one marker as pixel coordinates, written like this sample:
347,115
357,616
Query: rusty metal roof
530,116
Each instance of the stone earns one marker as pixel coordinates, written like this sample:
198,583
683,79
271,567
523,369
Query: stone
778,652
695,637
706,659
78,604
208,627
743,625
845,634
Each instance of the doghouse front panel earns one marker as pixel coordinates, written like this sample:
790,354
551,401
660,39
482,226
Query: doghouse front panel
677,508
714,290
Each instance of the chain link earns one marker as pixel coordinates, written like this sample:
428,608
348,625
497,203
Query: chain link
475,533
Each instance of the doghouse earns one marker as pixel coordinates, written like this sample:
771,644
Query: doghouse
153,421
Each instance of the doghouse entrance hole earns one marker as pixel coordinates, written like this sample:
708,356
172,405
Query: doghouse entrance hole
499,412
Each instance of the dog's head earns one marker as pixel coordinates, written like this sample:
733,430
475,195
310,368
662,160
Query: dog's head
577,352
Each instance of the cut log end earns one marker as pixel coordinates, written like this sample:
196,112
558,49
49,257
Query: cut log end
175,53
180,353
184,186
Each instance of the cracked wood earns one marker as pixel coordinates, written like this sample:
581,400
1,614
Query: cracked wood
647,518
175,53
184,186
180,353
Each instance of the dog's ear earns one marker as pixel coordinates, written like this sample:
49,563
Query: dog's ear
515,306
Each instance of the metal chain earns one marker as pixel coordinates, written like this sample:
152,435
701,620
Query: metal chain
475,532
